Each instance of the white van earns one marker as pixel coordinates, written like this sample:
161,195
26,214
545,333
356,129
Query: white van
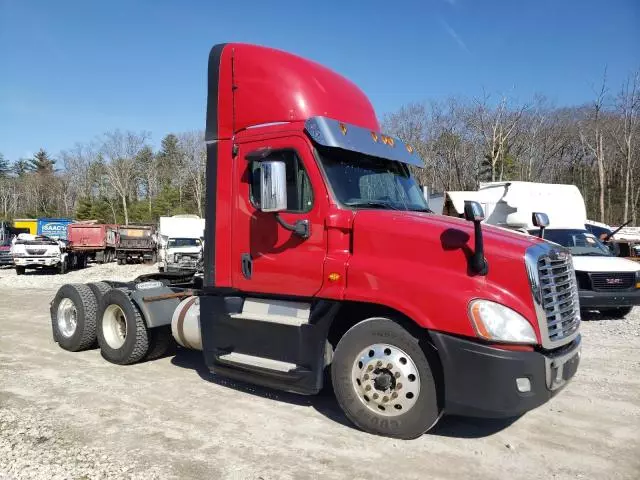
605,282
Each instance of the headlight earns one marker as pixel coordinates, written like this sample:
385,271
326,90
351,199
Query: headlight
638,279
493,321
18,254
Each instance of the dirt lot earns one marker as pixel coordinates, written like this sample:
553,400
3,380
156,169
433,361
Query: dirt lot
65,415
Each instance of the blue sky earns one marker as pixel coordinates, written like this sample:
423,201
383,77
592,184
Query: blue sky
72,69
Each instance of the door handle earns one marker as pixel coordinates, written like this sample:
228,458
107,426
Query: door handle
247,265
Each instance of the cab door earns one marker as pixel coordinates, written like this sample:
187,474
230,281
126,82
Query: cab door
267,258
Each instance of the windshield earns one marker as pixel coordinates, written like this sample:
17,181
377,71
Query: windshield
369,182
183,242
579,242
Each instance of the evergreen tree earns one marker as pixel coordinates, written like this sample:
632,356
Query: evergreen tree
5,169
168,159
21,167
42,162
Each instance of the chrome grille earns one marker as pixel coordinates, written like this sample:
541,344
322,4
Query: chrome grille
555,292
559,295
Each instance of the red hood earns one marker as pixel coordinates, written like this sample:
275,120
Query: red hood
419,261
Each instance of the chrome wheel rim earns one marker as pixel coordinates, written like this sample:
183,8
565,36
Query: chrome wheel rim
386,380
114,326
67,317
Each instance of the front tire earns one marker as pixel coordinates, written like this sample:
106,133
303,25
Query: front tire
122,334
383,381
20,270
617,313
73,317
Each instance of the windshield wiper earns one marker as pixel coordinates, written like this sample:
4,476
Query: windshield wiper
590,254
425,209
372,204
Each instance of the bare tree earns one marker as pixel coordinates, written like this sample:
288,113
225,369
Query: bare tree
592,138
120,150
194,158
628,105
496,126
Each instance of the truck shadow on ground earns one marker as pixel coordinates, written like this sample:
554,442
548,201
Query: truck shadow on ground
326,404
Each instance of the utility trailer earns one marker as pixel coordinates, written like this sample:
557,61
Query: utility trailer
136,244
322,262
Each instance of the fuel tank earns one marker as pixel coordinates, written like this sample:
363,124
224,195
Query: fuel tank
185,323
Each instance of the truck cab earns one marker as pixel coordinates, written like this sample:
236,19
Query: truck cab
323,264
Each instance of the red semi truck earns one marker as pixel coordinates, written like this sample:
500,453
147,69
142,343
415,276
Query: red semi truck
95,240
321,256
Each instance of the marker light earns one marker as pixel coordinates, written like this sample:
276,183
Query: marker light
409,149
334,277
343,128
374,135
493,321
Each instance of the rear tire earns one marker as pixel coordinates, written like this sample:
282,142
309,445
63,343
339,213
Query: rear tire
62,267
73,317
119,261
398,401
99,289
160,342
122,334
20,270
617,313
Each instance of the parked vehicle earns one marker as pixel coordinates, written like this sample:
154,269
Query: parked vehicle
605,282
136,243
53,227
623,241
37,252
180,242
26,223
97,241
321,257
5,251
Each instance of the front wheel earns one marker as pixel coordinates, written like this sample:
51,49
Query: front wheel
383,381
20,270
619,312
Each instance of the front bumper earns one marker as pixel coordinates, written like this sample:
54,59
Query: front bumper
480,380
6,259
36,261
591,299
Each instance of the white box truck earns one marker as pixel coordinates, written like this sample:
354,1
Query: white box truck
606,283
180,242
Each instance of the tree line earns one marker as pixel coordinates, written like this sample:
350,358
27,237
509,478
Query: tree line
496,138
119,178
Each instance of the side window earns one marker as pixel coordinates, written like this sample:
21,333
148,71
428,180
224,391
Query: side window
299,192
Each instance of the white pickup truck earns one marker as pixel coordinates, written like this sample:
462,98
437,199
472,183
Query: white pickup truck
36,251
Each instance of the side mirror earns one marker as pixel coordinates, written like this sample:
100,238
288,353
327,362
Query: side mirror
540,220
273,186
473,211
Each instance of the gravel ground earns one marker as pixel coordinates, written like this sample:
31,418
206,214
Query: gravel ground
47,279
66,415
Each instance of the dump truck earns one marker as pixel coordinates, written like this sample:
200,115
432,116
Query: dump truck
97,241
136,243
323,265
